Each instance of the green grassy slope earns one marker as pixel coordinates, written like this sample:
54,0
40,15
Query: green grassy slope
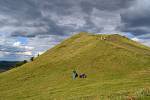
117,69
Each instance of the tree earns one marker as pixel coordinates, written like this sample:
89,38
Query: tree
25,61
20,63
32,58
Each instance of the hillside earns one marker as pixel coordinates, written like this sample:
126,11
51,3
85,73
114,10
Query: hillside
117,68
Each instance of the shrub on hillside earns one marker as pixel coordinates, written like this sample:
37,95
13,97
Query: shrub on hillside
32,58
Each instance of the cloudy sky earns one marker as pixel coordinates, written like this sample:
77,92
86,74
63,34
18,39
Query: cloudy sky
29,27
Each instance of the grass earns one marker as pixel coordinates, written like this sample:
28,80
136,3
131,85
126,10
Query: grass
117,68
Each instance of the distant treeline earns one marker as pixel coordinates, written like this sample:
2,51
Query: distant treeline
7,65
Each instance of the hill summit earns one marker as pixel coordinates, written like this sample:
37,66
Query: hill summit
116,67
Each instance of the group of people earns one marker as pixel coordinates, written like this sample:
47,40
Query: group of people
75,75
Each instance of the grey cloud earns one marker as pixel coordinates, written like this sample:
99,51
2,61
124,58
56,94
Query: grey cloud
20,9
14,57
38,13
47,22
136,18
144,36
11,49
107,5
10,52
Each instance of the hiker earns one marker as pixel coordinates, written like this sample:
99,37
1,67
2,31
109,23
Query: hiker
83,75
74,74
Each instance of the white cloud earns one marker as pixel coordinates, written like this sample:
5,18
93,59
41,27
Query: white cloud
3,53
28,53
107,21
135,39
17,44
75,20
145,42
28,47
37,20
39,53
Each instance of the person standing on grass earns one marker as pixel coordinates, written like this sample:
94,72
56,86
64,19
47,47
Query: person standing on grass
74,74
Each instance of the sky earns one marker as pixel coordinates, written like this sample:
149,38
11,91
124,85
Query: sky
29,27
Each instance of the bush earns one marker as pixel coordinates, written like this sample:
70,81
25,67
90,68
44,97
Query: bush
32,58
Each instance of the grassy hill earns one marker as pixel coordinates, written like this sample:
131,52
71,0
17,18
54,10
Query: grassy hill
117,68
